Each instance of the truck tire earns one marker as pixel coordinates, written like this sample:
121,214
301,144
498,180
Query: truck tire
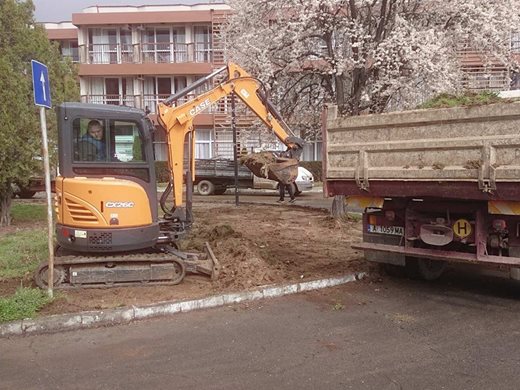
426,269
296,190
220,190
26,194
205,188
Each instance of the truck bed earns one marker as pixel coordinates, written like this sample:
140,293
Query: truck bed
463,152
220,168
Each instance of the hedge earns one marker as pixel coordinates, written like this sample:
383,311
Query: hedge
314,167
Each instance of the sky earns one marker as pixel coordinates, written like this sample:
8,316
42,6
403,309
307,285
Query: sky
60,11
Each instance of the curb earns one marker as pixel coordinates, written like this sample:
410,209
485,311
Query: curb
119,316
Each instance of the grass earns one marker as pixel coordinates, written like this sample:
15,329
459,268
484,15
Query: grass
21,252
23,304
21,212
446,100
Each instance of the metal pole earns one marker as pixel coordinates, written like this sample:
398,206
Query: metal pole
235,151
46,165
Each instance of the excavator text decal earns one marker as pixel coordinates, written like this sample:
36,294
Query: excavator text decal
200,107
119,205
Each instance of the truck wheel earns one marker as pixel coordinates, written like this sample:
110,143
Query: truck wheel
296,190
205,188
426,269
220,190
395,271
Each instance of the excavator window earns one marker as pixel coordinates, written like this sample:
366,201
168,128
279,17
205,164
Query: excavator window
107,140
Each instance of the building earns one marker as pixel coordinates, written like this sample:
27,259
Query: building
140,55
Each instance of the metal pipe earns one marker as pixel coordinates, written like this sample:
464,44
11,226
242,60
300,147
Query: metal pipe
235,151
191,87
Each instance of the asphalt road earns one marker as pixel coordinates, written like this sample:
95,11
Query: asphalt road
461,333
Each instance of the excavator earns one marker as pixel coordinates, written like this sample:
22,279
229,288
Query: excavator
109,231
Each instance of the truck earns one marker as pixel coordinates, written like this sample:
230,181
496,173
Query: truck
214,176
436,187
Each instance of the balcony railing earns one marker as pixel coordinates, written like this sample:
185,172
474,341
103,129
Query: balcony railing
117,100
149,102
156,53
478,80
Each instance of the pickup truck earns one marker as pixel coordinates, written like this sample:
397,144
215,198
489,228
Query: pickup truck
214,176
28,190
436,186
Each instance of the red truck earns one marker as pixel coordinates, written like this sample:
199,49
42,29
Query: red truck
435,186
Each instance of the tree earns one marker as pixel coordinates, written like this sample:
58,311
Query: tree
21,40
365,56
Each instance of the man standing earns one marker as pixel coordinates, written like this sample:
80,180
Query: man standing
293,152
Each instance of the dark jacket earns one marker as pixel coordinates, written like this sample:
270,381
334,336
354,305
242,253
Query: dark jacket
91,149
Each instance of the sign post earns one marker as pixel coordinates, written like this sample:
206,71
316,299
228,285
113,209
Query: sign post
42,98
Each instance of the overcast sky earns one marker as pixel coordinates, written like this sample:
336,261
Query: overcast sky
59,11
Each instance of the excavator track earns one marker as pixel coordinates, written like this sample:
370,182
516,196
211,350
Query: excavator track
166,267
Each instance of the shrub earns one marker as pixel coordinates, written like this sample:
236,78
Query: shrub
314,167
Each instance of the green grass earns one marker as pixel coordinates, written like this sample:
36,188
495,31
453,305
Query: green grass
22,251
28,212
446,100
23,304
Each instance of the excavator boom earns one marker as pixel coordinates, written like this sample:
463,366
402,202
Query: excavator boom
178,120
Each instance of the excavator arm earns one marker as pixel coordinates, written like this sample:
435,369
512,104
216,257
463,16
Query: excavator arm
178,120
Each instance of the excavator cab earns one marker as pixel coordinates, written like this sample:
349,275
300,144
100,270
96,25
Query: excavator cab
107,179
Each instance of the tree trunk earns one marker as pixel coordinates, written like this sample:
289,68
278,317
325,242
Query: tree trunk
5,208
338,209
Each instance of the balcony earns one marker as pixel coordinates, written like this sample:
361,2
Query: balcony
479,80
155,53
143,102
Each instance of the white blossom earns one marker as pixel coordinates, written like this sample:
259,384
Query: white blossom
365,56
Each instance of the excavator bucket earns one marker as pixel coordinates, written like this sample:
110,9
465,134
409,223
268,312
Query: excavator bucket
268,165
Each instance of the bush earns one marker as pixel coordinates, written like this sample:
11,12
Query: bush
162,172
315,167
446,100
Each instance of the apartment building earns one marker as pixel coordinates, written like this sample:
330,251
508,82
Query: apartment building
139,55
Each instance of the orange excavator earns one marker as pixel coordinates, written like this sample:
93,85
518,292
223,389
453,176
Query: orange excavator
108,230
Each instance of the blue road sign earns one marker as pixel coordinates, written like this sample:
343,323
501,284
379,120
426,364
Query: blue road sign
42,90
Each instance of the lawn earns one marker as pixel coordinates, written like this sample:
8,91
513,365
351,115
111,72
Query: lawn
21,250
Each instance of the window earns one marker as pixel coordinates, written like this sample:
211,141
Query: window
202,44
70,49
203,143
100,140
180,50
164,45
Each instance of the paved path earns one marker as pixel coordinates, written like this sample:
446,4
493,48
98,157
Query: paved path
397,334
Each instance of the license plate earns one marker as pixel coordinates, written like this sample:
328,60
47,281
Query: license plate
392,230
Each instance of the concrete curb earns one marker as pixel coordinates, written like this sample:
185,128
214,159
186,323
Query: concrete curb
90,319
